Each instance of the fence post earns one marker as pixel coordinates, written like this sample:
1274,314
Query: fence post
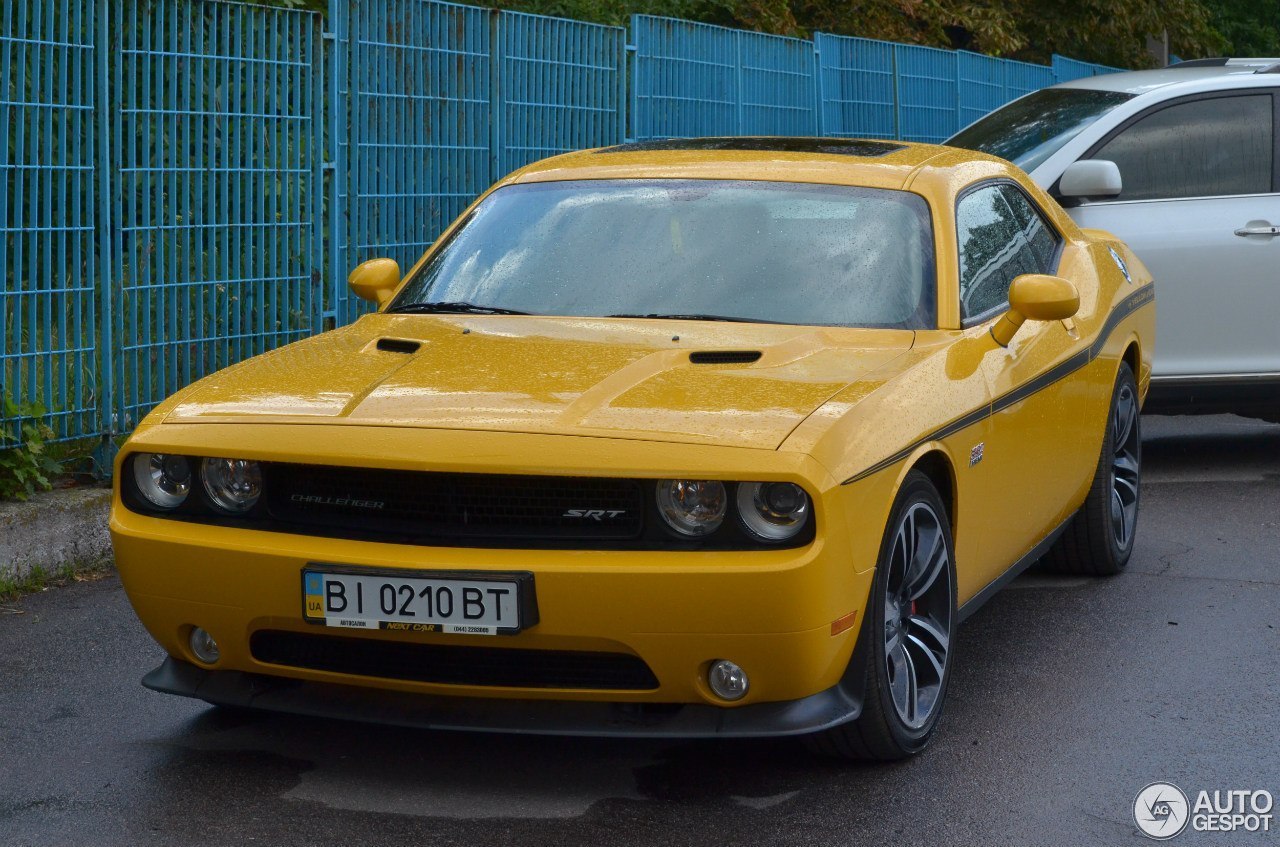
331,106
625,131
897,98
737,81
318,169
496,104
104,455
629,104
818,117
959,104
339,117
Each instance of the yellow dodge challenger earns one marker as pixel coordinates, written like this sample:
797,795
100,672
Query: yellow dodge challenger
714,437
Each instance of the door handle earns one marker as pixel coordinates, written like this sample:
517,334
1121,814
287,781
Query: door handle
1258,230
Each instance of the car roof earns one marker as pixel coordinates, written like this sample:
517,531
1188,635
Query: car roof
1141,82
839,161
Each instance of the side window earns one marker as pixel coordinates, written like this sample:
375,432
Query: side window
1040,239
1000,236
1200,148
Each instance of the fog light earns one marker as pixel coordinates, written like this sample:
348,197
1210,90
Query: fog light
204,647
727,680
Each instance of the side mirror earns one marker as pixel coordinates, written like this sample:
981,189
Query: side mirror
375,280
1089,178
1036,297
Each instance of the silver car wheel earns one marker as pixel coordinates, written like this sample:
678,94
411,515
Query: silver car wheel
917,615
1125,467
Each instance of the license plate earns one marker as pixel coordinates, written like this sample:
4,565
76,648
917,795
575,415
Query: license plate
466,603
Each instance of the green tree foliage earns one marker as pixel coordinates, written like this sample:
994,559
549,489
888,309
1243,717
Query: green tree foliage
1250,27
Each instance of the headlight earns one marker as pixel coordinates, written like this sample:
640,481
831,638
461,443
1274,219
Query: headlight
773,511
233,485
692,506
163,480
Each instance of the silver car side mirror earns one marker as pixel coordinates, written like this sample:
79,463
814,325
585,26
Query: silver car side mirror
1090,178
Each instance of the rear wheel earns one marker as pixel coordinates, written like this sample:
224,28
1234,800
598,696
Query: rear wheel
1099,539
908,626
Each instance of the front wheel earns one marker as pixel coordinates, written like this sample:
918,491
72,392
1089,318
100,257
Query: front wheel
909,624
1099,539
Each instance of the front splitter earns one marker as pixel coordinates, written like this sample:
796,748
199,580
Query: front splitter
837,705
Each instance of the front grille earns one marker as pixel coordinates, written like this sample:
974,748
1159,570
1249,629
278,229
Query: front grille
449,665
446,506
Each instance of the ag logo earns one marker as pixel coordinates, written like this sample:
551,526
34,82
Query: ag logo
1161,810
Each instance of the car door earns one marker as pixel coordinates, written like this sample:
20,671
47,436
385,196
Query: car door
1200,205
1029,463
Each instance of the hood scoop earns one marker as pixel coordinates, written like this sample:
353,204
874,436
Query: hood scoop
398,345
724,357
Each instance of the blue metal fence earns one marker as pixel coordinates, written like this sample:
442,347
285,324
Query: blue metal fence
440,101
690,79
857,87
684,79
417,125
777,89
693,79
1023,77
561,86
48,326
187,182
215,238
980,86
1065,70
927,92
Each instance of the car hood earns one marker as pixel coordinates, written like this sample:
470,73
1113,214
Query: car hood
615,378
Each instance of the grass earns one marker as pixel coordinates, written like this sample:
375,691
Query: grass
13,586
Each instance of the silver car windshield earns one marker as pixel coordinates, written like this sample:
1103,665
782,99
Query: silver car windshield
1033,128
711,249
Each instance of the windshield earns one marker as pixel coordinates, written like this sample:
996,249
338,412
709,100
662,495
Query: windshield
751,251
1033,128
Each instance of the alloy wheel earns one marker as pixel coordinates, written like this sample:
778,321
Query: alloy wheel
917,614
1125,466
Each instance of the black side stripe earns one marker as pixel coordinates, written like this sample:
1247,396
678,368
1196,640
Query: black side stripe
1075,362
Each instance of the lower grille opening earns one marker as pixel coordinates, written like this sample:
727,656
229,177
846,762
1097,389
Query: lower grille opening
449,665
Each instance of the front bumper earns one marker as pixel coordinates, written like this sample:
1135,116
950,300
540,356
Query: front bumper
837,705
770,611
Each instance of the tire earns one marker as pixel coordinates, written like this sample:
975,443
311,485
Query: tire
1099,539
914,610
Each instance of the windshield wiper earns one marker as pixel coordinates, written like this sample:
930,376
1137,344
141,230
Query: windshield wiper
659,316
451,307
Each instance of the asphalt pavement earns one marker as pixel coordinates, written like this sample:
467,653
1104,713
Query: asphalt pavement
1069,696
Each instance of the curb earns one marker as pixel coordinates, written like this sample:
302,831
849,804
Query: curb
54,530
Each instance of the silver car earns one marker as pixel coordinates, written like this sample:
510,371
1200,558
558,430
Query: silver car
1183,165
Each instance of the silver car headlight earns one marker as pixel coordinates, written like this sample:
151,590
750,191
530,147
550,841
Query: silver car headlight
162,479
692,507
773,511
233,485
